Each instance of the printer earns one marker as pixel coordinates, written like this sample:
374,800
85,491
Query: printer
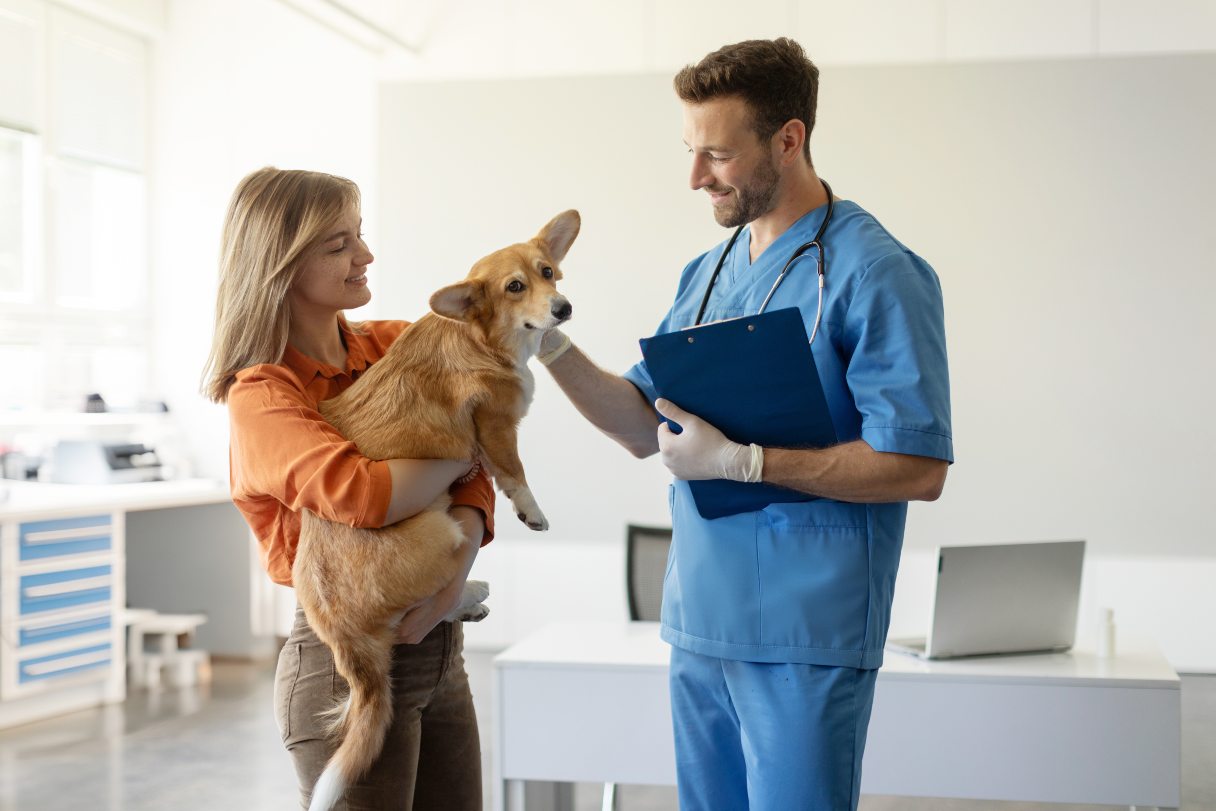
87,461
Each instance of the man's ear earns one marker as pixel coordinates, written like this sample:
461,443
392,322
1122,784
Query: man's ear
461,301
790,140
560,233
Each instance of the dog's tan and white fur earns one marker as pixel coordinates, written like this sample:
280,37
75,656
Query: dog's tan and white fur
453,386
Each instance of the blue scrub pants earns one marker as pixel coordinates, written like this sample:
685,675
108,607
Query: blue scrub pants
768,737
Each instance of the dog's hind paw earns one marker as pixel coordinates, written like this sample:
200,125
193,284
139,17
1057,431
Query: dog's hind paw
475,591
472,613
472,606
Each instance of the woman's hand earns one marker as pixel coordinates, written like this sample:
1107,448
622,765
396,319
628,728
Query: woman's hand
422,617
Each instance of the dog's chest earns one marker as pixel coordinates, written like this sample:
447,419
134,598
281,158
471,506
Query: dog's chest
527,383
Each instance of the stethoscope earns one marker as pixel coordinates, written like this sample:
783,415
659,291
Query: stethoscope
801,253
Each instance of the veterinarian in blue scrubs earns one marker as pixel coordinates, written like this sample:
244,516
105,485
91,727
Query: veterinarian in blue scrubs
777,618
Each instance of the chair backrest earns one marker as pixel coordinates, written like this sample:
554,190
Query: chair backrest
646,551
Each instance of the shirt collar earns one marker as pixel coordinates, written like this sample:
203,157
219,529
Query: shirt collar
307,368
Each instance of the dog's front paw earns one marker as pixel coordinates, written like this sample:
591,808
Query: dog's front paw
536,520
528,510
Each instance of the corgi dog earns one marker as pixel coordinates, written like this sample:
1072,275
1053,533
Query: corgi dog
454,385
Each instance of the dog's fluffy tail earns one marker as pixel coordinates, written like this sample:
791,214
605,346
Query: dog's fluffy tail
365,663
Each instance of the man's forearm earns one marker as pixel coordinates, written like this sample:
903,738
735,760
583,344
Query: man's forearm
609,402
853,471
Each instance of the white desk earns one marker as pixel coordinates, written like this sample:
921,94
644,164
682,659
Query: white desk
587,702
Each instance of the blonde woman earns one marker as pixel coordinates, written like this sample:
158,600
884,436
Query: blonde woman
292,260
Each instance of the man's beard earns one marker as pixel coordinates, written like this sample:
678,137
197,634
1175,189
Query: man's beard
752,201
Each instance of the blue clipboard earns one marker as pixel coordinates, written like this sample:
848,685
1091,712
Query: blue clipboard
754,378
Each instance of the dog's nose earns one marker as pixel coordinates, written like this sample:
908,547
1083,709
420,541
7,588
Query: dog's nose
561,309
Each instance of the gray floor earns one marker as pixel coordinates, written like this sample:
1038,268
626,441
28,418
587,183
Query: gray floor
217,747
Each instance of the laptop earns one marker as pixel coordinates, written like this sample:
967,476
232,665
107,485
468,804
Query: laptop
1002,599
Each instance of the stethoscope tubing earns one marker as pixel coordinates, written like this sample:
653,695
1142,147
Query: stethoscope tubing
800,253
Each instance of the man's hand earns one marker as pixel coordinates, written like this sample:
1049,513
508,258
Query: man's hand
553,344
701,451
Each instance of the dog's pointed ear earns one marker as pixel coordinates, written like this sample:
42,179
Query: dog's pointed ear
461,301
560,233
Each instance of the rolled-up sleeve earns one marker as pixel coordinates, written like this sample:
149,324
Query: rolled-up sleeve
478,493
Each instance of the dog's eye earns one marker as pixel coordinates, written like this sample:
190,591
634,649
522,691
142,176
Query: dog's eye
547,272
515,286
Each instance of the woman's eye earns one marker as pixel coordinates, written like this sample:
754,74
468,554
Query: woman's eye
547,272
515,286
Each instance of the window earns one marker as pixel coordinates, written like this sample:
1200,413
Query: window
18,207
74,273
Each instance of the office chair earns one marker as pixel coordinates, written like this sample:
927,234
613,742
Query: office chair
646,550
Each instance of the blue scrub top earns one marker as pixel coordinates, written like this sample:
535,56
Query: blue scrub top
812,582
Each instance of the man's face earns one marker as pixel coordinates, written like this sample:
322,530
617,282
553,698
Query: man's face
736,169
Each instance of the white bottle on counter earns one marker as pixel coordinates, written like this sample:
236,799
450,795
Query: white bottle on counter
1106,633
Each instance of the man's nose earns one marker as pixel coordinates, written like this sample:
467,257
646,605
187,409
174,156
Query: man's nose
700,176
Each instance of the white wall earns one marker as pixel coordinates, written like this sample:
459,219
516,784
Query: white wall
531,38
239,84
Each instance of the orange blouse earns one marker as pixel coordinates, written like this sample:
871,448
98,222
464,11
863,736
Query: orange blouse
285,457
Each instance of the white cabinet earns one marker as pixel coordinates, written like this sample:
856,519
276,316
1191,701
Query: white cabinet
61,609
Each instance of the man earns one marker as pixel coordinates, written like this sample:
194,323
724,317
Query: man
777,618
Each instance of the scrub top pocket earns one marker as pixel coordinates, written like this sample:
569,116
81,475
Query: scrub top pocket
814,564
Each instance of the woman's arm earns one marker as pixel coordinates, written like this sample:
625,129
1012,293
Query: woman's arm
421,618
418,482
282,447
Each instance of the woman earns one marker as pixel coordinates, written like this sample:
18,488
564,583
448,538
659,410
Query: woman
292,260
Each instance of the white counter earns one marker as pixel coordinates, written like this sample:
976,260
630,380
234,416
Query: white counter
23,501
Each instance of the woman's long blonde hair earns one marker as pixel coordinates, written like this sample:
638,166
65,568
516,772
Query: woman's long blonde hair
275,216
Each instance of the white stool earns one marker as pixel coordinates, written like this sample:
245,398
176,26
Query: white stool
145,669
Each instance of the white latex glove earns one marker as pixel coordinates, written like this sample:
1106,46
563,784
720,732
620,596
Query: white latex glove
553,344
701,451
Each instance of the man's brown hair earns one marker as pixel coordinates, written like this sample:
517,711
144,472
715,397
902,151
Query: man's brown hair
774,77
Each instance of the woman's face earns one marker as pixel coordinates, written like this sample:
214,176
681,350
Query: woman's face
334,274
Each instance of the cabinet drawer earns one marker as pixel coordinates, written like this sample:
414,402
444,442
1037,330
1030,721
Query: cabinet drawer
63,625
66,663
51,591
64,536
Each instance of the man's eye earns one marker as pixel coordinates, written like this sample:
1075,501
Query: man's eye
515,286
547,272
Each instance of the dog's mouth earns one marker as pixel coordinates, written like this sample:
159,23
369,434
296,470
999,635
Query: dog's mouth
557,322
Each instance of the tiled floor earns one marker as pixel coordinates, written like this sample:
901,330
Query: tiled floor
216,747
